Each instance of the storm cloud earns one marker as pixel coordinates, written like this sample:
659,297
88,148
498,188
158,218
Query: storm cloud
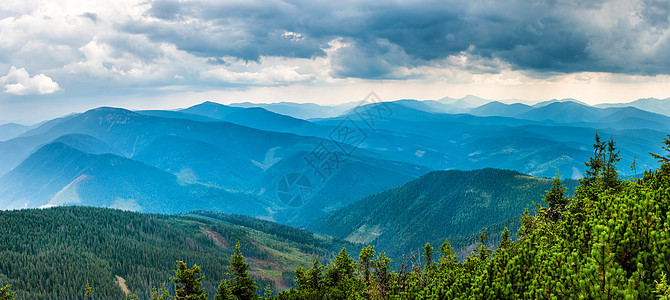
85,49
555,36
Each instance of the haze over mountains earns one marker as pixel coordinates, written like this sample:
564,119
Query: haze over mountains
247,158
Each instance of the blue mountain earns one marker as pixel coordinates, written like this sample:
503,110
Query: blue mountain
254,117
496,108
659,106
301,110
212,155
58,174
11,130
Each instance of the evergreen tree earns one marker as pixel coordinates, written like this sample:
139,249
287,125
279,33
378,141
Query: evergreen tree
428,256
187,283
601,173
343,267
301,278
314,276
5,294
223,292
268,292
556,200
447,253
483,250
364,261
242,286
504,239
611,175
596,163
662,289
161,294
88,291
666,146
382,275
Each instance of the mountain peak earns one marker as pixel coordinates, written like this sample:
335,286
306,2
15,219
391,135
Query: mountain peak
110,110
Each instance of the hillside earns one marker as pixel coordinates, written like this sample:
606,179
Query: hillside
11,130
452,204
58,174
52,253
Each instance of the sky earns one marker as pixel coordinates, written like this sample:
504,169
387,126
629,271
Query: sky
64,56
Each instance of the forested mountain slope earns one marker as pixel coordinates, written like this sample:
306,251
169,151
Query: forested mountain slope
52,253
452,204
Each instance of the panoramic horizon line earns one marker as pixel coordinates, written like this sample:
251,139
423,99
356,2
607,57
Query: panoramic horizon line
503,101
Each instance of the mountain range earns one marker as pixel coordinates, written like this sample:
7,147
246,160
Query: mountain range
183,160
248,159
393,174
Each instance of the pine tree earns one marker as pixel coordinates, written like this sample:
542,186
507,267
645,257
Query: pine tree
343,267
660,158
161,294
301,278
187,283
483,250
364,261
315,275
268,292
5,294
428,256
633,166
223,292
611,176
382,275
88,291
504,239
595,165
447,253
242,286
601,173
556,200
662,289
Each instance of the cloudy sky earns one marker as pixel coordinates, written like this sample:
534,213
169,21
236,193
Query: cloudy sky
62,56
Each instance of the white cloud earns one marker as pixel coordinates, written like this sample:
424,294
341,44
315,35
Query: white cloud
19,82
292,36
267,71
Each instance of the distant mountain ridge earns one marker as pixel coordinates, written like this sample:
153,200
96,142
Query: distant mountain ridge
214,149
11,130
301,110
208,159
660,106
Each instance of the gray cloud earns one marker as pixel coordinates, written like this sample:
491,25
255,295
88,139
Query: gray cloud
543,36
